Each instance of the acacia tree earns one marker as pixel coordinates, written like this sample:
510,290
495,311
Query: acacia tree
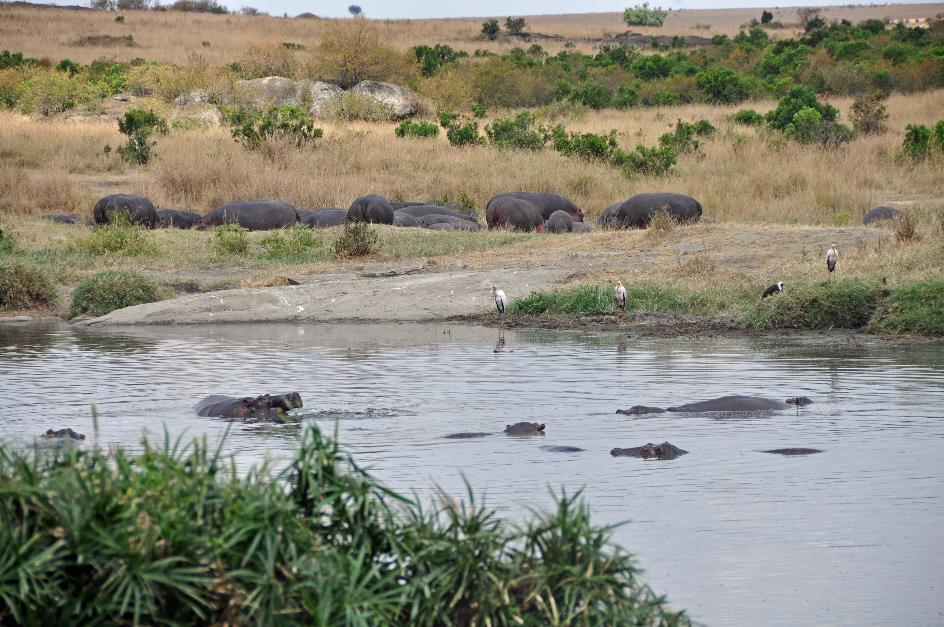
491,29
515,25
352,51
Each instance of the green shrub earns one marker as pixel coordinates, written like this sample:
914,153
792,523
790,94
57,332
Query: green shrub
479,110
356,240
139,125
805,127
252,127
410,128
656,161
915,308
47,92
748,117
230,239
15,59
118,238
111,78
460,131
682,139
843,304
644,15
298,243
515,25
917,142
490,29
353,107
799,97
174,534
432,58
869,114
723,85
591,94
105,292
7,245
937,136
598,300
70,67
587,146
25,287
517,132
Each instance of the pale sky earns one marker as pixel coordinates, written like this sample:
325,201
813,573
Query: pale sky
484,8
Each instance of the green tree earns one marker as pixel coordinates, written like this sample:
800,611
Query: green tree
491,29
644,15
139,125
515,25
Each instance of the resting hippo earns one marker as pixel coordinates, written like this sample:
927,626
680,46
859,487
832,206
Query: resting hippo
264,407
721,404
547,203
459,224
61,218
418,211
138,209
513,213
559,222
793,451
561,449
582,227
62,434
371,208
525,428
882,213
637,212
404,219
650,451
255,215
323,218
173,218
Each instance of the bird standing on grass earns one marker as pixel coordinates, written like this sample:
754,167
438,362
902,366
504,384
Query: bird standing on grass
501,301
620,293
832,256
776,288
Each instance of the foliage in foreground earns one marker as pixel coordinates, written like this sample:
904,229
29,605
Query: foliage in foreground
105,292
24,287
175,535
357,239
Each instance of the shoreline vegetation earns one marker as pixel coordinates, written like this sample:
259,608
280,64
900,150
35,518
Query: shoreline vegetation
176,534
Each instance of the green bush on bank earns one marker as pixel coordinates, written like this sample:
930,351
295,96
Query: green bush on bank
411,128
599,300
105,292
25,287
915,308
840,304
175,535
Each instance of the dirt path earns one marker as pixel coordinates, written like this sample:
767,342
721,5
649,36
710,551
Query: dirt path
459,286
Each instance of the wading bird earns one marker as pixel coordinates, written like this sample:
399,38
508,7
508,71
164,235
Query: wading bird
776,288
501,301
832,256
620,293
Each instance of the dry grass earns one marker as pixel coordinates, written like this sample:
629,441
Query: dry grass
175,37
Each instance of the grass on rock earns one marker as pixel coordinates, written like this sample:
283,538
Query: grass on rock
105,292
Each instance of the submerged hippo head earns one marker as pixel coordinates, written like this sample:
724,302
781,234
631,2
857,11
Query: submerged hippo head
62,434
269,405
650,451
525,428
799,401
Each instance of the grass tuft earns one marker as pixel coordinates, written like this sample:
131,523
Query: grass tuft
117,239
296,244
599,300
25,287
230,239
175,535
105,292
915,308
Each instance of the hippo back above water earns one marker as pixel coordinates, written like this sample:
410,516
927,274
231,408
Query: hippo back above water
254,215
263,407
525,428
735,403
637,212
137,209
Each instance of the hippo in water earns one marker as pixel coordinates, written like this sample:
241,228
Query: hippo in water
263,407
561,449
62,434
721,404
799,401
466,435
794,451
525,428
650,451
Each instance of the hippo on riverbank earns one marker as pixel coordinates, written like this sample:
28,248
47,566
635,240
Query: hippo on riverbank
254,215
137,209
263,407
650,451
547,203
458,224
637,212
371,208
525,428
418,211
323,218
793,451
506,212
174,218
878,214
62,434
722,404
559,222
404,219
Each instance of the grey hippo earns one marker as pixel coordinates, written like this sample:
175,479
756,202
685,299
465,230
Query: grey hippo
546,202
525,428
561,449
177,219
637,211
793,451
137,209
650,451
62,434
722,404
372,208
559,222
878,214
322,218
507,212
254,215
263,407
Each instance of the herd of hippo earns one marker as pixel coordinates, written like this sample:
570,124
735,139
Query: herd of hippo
275,407
544,212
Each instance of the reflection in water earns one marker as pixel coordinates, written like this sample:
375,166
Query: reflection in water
735,535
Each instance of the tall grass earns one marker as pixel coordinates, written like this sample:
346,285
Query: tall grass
176,535
599,300
843,304
107,291
915,308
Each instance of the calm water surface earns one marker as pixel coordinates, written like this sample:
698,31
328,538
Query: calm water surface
854,535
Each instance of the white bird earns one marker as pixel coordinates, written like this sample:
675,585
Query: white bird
501,301
620,293
832,256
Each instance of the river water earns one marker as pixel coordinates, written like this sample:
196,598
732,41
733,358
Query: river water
851,536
